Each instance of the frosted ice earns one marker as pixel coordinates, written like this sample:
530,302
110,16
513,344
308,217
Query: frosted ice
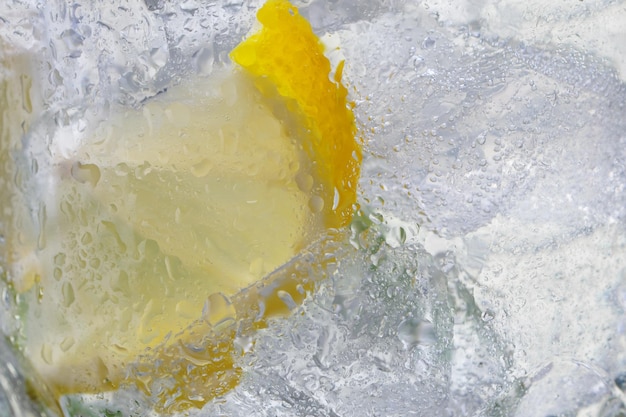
485,274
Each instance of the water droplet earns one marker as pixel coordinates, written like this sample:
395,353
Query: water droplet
168,268
202,168
487,315
205,58
110,227
41,218
46,353
59,259
26,84
159,56
414,331
189,6
86,238
120,284
39,292
305,182
122,169
55,78
286,298
316,204
376,218
218,309
336,200
428,43
86,173
395,236
67,343
68,294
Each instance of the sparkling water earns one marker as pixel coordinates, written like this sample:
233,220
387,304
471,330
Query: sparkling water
485,273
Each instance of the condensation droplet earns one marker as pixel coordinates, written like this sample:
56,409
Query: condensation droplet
67,343
59,259
86,173
205,58
414,331
46,353
316,204
202,168
168,267
428,43
218,309
86,238
286,298
26,84
110,226
189,6
336,198
488,315
42,218
159,56
120,283
304,181
68,294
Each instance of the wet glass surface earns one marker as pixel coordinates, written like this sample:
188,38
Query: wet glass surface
485,272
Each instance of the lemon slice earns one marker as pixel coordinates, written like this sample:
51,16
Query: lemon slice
206,201
288,60
163,223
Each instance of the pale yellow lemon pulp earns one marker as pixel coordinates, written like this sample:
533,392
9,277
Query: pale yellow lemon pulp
163,215
194,194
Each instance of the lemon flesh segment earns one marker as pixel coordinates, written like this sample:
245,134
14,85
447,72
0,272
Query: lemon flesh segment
287,60
159,218
287,63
